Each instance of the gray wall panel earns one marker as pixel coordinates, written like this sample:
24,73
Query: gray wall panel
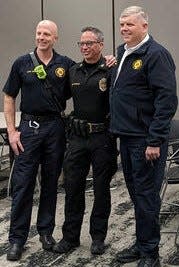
18,20
72,16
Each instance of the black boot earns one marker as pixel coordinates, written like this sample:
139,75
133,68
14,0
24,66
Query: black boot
128,255
149,262
97,247
47,242
64,246
15,252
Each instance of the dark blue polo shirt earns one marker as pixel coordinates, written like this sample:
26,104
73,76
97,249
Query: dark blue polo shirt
35,97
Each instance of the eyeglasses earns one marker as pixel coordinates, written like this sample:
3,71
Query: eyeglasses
88,43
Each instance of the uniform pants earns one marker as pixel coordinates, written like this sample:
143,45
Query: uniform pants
100,151
43,146
144,179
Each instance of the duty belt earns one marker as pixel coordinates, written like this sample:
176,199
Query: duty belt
39,118
84,128
96,127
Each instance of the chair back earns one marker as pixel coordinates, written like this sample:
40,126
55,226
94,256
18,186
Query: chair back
174,130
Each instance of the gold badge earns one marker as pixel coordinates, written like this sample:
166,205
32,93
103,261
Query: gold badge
103,84
137,64
60,72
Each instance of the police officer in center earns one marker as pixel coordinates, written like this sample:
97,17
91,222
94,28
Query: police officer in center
40,138
89,143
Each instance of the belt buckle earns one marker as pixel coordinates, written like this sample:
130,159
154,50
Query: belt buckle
90,127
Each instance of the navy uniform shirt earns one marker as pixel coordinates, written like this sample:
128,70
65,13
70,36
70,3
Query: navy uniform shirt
35,98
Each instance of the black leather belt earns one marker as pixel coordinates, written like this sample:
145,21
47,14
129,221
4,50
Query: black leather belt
39,118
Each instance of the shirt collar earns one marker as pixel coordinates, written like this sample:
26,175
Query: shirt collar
131,49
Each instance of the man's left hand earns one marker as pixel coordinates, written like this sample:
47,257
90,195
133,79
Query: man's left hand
152,153
110,61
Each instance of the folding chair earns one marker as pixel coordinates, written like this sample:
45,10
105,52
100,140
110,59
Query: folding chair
4,155
170,179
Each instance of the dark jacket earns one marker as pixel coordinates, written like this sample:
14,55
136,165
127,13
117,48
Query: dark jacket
143,99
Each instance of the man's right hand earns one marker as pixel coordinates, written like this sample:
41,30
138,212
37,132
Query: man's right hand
15,143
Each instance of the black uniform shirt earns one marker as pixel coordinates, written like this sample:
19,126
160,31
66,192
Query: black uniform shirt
90,90
35,98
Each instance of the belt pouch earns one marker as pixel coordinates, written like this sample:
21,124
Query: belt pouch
83,128
76,127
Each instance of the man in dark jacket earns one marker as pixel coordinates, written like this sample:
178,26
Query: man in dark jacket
143,101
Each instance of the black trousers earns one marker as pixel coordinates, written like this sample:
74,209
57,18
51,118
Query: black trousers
144,179
45,146
98,150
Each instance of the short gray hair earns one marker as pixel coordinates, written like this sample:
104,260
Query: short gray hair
99,34
134,10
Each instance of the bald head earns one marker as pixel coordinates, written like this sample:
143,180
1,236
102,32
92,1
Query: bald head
50,25
46,35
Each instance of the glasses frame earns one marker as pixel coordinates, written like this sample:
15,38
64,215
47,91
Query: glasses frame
88,43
